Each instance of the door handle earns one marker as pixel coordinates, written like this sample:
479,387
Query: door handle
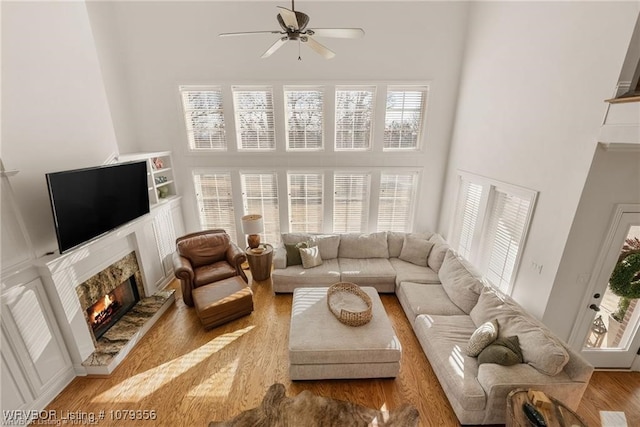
594,307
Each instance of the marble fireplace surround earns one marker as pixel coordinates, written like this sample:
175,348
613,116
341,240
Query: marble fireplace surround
70,279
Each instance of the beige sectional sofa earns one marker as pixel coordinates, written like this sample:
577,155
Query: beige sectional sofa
446,300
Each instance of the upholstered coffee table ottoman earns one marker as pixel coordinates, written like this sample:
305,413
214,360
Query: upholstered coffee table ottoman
321,347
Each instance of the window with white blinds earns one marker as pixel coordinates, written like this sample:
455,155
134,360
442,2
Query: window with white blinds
204,118
255,127
215,202
305,202
505,232
469,199
260,196
304,118
350,202
397,201
354,114
403,117
490,226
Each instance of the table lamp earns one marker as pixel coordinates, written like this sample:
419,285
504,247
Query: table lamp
253,226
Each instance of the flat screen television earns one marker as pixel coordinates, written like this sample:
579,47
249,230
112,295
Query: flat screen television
87,203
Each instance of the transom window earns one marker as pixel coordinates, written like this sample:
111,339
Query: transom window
403,117
304,118
354,115
204,118
254,118
490,226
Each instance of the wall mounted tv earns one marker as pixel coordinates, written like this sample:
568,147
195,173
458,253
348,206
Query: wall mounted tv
89,202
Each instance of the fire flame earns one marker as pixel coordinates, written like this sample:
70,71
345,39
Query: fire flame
99,308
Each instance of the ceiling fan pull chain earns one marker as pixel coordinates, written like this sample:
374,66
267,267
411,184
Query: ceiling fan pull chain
299,55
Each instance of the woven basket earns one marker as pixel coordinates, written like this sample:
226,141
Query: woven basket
350,318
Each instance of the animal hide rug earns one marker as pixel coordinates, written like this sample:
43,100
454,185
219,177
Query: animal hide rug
307,409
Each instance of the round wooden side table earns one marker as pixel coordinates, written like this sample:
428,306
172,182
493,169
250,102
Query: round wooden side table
556,415
260,262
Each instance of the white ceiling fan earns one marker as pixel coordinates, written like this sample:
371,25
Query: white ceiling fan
294,28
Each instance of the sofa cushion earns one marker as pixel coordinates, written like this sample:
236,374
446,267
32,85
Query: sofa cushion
442,339
407,272
481,338
368,272
540,347
420,298
286,280
436,256
310,257
359,246
460,281
503,351
415,250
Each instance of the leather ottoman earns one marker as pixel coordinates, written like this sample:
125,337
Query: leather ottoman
222,301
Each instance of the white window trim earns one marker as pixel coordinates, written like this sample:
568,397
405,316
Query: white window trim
372,137
196,88
238,129
293,88
423,119
478,257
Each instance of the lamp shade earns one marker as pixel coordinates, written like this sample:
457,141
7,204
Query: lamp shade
252,224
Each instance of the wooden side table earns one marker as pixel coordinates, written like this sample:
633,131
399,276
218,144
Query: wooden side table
557,415
260,263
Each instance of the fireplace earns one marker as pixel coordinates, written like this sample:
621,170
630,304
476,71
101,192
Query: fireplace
112,306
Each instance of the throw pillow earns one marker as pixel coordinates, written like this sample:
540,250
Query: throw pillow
293,254
481,338
310,257
503,351
460,282
415,250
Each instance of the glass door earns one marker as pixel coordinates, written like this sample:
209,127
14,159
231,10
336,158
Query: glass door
613,319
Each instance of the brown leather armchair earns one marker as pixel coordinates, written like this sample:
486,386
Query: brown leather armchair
205,257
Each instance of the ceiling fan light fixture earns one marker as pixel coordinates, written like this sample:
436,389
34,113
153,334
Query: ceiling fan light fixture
294,28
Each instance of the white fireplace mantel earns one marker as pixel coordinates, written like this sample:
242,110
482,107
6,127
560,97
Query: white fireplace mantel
63,273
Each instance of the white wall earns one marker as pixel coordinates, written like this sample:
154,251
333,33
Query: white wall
614,178
55,114
167,44
534,80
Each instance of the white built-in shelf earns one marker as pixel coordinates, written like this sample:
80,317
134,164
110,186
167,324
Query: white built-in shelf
159,165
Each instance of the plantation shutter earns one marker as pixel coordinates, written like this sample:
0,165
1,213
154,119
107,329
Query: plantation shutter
204,118
354,112
215,202
305,202
305,121
466,216
403,118
254,118
395,210
505,234
350,202
260,196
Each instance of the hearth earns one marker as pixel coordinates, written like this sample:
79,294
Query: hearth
111,307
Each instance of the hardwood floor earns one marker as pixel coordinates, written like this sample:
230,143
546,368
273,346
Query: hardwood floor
190,376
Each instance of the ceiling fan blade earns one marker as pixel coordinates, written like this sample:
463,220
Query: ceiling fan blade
248,33
319,48
289,18
343,33
277,45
